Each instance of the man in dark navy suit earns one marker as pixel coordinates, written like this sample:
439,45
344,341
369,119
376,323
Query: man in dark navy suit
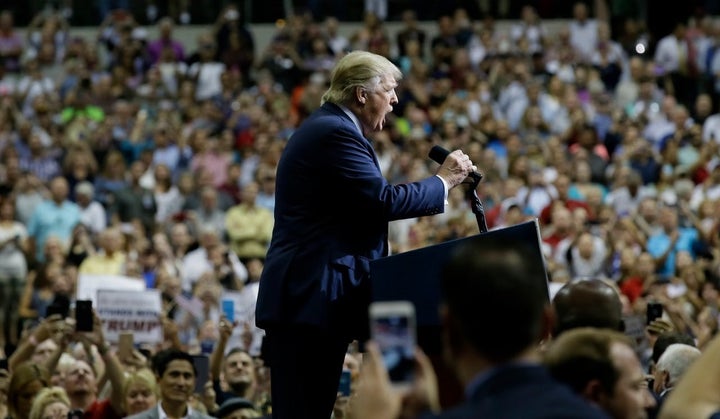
494,313
332,208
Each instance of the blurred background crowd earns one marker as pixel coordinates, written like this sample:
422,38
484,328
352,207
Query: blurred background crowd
132,152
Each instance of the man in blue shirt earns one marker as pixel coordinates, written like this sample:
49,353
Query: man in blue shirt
53,217
665,244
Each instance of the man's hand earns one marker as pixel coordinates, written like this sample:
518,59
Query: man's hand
424,394
375,397
49,327
456,167
225,328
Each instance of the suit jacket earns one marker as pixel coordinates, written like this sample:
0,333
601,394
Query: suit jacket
153,413
332,208
522,392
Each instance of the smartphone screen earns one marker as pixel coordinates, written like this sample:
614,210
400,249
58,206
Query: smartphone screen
55,309
60,305
654,311
228,308
394,332
345,381
202,366
83,316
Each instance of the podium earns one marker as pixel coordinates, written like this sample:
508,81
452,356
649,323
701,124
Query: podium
415,276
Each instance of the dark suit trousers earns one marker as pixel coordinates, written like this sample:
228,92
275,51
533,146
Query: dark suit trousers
305,367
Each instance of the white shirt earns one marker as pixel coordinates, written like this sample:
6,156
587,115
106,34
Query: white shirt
583,37
711,128
196,263
208,79
668,52
163,415
93,217
245,302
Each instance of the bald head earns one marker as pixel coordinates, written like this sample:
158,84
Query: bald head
587,303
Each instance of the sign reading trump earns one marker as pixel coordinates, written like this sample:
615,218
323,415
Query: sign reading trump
136,312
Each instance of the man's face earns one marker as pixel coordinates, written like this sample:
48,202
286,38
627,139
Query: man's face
659,377
80,378
376,104
630,397
43,351
59,189
239,369
178,381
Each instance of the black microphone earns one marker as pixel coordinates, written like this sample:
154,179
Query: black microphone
439,154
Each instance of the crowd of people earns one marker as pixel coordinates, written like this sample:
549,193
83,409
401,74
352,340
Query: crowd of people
156,160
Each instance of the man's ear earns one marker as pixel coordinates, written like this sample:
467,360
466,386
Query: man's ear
361,95
594,392
665,376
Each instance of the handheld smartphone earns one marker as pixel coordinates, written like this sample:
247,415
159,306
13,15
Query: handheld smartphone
83,316
56,309
125,345
392,327
345,381
228,309
202,366
60,305
206,347
654,311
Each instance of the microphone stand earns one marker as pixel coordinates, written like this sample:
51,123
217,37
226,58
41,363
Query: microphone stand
476,205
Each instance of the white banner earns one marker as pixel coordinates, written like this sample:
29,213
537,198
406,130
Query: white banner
137,312
88,285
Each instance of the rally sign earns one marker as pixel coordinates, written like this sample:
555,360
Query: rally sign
89,285
136,312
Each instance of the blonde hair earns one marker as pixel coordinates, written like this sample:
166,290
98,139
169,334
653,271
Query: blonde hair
358,69
45,398
143,376
21,376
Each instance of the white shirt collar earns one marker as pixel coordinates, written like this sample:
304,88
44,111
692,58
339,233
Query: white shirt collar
354,118
163,415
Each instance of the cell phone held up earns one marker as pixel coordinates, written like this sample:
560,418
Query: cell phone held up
392,327
83,316
654,311
345,382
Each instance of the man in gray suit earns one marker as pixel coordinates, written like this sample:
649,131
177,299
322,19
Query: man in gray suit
175,372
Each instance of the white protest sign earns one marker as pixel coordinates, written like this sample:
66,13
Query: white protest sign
137,312
88,285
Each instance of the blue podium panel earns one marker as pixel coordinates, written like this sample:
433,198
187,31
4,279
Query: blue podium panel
415,276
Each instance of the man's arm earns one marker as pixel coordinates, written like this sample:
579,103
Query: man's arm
42,332
225,328
113,369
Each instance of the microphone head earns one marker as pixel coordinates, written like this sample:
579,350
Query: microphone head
438,154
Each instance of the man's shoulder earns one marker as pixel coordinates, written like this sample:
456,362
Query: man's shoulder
541,396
